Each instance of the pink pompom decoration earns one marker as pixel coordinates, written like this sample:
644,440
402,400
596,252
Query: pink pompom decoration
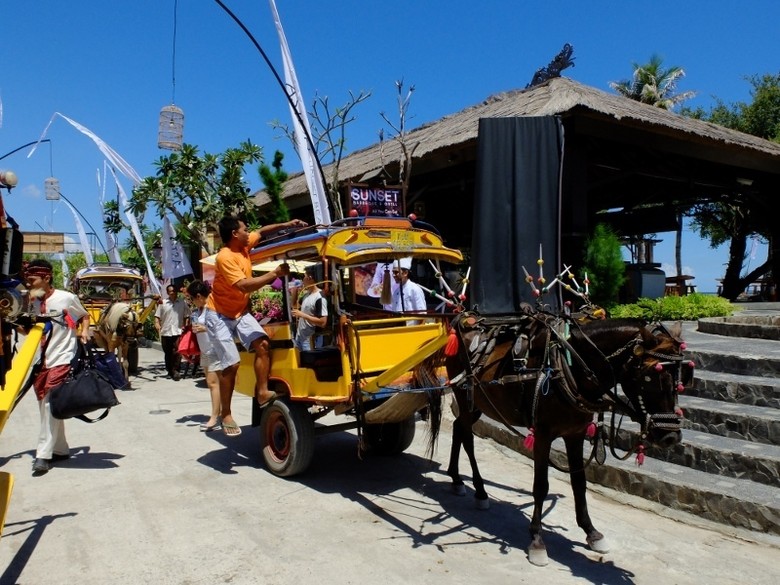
536,292
658,367
590,432
683,346
691,365
462,297
567,303
640,456
680,388
679,412
451,293
528,442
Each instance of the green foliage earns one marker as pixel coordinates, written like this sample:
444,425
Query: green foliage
274,187
686,308
149,330
603,262
652,84
198,190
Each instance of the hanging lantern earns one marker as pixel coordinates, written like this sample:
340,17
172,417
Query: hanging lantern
51,188
171,128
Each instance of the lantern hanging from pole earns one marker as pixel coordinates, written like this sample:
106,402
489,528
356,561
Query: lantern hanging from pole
51,188
171,128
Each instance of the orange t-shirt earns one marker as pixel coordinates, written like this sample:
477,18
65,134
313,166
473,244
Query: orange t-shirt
229,268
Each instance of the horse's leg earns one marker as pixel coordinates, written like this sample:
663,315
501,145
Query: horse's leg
462,435
574,455
537,552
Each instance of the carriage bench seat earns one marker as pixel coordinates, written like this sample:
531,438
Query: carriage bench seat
325,361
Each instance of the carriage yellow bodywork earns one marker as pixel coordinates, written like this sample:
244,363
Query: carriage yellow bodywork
364,368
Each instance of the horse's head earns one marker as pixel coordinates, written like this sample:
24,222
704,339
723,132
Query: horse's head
652,378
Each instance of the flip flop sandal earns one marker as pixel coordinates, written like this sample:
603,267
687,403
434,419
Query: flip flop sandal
231,429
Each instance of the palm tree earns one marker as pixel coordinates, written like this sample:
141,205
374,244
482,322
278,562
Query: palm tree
654,85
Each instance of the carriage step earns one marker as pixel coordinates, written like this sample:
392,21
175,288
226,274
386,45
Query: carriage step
723,456
754,390
727,500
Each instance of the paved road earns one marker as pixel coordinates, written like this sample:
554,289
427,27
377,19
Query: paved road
147,498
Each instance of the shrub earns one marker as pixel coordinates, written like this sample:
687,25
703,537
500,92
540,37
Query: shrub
267,304
686,308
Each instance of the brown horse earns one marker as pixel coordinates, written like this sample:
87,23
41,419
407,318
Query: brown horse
552,374
117,331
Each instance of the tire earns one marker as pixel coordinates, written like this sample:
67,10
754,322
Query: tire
132,359
390,438
286,438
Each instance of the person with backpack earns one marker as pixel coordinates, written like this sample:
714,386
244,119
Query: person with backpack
312,314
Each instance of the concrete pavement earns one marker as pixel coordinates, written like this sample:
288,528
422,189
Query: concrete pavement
146,498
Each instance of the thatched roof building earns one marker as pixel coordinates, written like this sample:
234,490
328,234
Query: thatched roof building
619,155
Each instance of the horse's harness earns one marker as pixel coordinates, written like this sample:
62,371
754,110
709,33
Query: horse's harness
555,364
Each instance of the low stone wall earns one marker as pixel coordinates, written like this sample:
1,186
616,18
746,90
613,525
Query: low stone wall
756,327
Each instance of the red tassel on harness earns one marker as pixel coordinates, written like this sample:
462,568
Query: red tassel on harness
451,349
590,432
528,442
640,456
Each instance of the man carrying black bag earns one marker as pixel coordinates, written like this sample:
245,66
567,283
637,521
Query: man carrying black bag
70,321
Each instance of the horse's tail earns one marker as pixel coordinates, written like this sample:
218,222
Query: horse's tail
426,375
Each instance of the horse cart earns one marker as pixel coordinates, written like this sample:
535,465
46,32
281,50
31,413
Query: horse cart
114,296
366,364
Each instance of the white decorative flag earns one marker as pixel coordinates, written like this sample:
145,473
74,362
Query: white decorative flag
111,243
174,260
124,168
308,157
82,235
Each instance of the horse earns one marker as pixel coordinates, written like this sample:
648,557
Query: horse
552,374
117,331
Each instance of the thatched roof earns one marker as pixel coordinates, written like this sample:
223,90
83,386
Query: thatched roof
558,96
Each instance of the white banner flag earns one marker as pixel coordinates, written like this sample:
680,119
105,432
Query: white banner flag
308,157
124,168
174,260
82,235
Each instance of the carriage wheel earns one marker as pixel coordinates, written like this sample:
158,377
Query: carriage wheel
286,438
132,359
390,438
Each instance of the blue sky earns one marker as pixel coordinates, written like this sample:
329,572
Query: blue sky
109,66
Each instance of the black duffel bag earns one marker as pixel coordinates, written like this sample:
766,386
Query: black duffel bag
85,390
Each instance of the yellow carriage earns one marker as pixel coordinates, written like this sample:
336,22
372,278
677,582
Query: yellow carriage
366,367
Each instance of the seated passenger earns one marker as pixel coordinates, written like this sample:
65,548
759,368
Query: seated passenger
312,314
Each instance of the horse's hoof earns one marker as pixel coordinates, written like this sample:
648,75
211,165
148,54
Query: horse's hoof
598,543
459,490
538,556
482,504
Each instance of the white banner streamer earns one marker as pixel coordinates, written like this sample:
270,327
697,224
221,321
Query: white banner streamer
123,204
174,260
308,157
128,171
82,235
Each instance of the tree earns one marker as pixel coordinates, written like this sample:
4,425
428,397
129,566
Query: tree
654,85
328,129
604,265
401,136
198,190
274,186
734,221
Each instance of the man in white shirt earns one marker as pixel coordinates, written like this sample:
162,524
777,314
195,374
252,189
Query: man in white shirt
408,296
170,318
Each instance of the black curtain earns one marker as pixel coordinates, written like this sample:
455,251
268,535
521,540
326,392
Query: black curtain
516,208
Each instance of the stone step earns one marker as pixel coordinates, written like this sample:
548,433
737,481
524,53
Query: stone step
722,456
718,360
731,501
738,421
753,390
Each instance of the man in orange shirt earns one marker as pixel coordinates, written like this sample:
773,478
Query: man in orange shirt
227,312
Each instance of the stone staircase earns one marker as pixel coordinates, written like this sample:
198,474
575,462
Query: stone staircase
727,468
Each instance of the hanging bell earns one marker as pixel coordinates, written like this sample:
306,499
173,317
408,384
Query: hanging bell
170,133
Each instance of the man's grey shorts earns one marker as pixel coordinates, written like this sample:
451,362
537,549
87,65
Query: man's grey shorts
222,331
